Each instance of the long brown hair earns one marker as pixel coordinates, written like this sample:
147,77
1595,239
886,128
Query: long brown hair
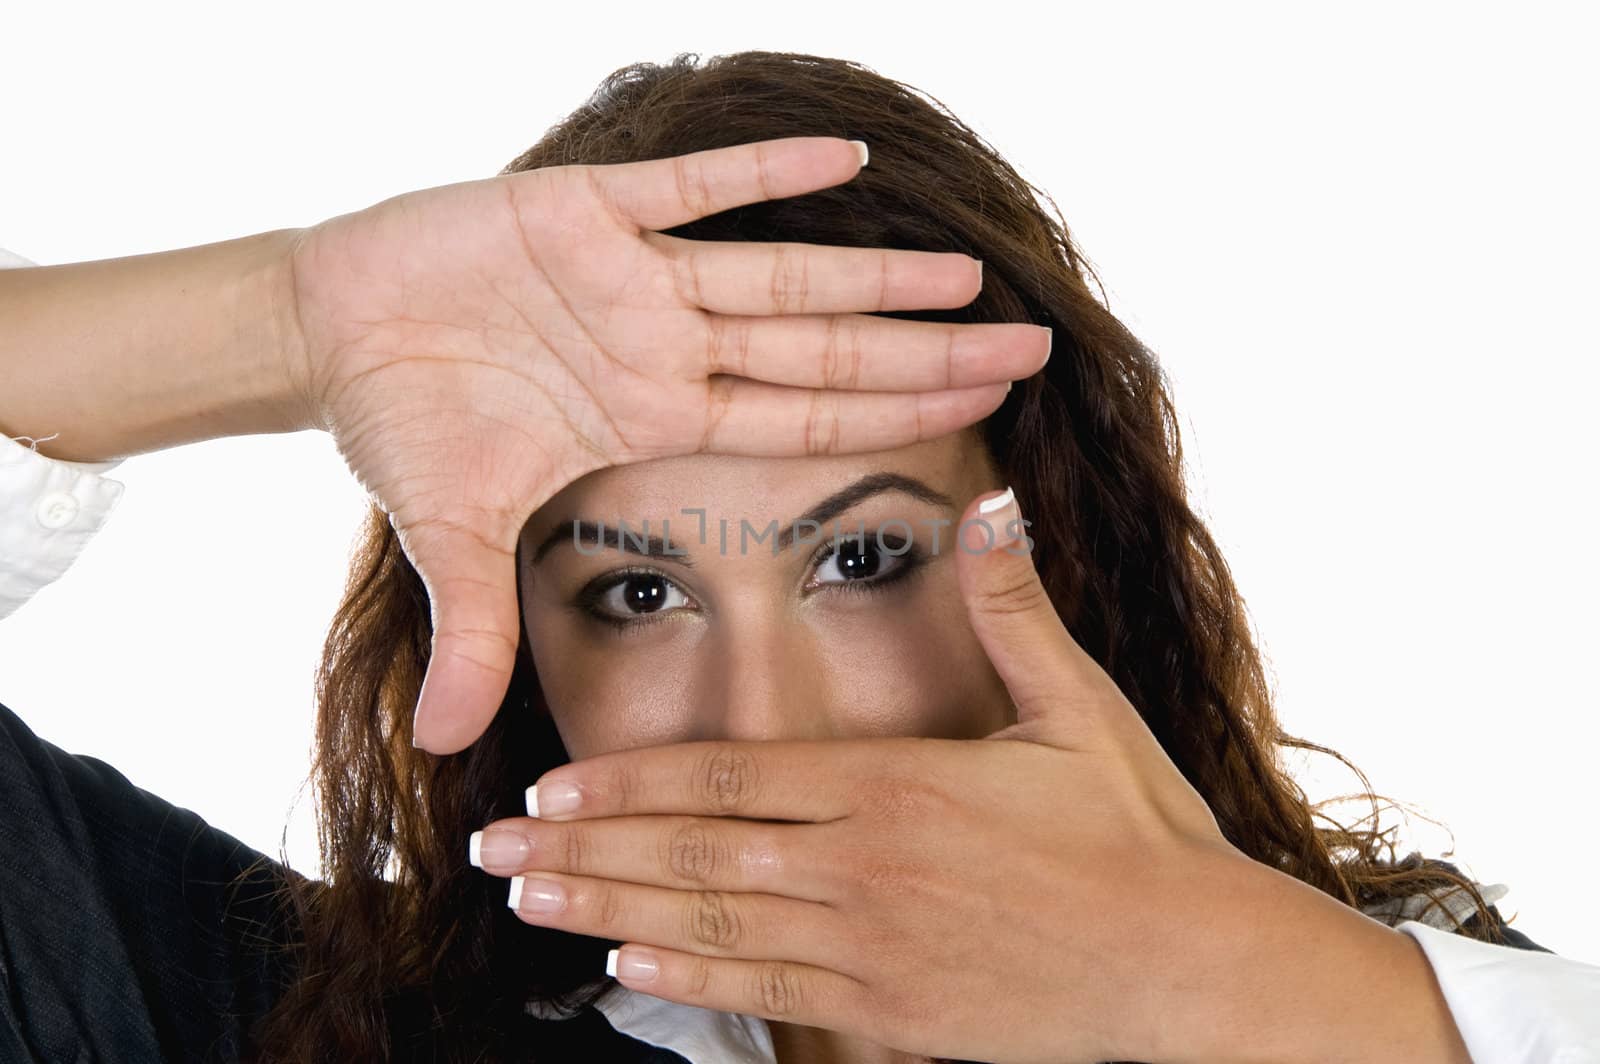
404,937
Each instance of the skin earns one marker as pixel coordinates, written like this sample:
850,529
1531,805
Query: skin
744,648
1201,957
750,647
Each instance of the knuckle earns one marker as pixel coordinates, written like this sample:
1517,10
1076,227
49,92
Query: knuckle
1021,595
742,329
574,850
717,343
589,177
777,988
712,921
727,779
830,352
623,783
822,424
719,397
686,278
606,905
692,189
728,344
698,977
692,853
764,173
830,445
813,414
853,378
790,281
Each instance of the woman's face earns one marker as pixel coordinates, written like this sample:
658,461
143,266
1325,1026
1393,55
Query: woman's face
829,637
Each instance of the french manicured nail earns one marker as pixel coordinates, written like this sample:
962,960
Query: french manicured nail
551,799
501,849
861,150
1002,515
638,965
999,502
536,895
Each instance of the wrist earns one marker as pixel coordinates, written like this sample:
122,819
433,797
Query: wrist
298,383
121,356
257,379
1290,973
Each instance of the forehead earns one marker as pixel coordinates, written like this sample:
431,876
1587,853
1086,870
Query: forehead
731,486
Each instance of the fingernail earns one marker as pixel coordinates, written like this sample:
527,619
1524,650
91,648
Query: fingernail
552,798
536,895
861,150
1002,515
501,849
989,506
639,965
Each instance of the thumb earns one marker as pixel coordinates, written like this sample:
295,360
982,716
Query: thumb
471,584
1052,681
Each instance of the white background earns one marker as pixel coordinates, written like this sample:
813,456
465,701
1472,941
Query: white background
1361,238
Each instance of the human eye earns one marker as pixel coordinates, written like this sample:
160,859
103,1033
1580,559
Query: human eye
865,563
631,598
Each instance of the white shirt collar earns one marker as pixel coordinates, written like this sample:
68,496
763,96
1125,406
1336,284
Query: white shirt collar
700,1036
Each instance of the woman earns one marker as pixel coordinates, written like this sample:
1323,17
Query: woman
406,951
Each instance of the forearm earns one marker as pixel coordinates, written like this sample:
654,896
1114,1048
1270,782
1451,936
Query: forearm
1296,975
122,356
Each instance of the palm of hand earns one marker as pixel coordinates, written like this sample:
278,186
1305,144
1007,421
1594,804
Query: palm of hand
487,383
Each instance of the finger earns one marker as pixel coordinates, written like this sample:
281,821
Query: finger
859,352
680,852
710,922
752,277
774,990
1052,681
780,779
471,584
666,193
758,419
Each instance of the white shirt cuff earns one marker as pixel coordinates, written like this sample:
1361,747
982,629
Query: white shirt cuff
49,510
1514,1006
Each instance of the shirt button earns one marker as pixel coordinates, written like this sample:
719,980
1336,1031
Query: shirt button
56,509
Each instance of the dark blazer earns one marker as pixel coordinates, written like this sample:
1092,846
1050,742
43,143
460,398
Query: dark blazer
120,943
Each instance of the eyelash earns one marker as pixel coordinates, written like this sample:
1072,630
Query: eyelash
590,596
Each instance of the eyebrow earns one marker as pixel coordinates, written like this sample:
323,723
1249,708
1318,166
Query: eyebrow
652,546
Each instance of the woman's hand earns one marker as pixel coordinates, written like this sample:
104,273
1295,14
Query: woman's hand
1031,898
474,348
1056,892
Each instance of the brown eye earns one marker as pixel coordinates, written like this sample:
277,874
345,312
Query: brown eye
637,594
853,560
